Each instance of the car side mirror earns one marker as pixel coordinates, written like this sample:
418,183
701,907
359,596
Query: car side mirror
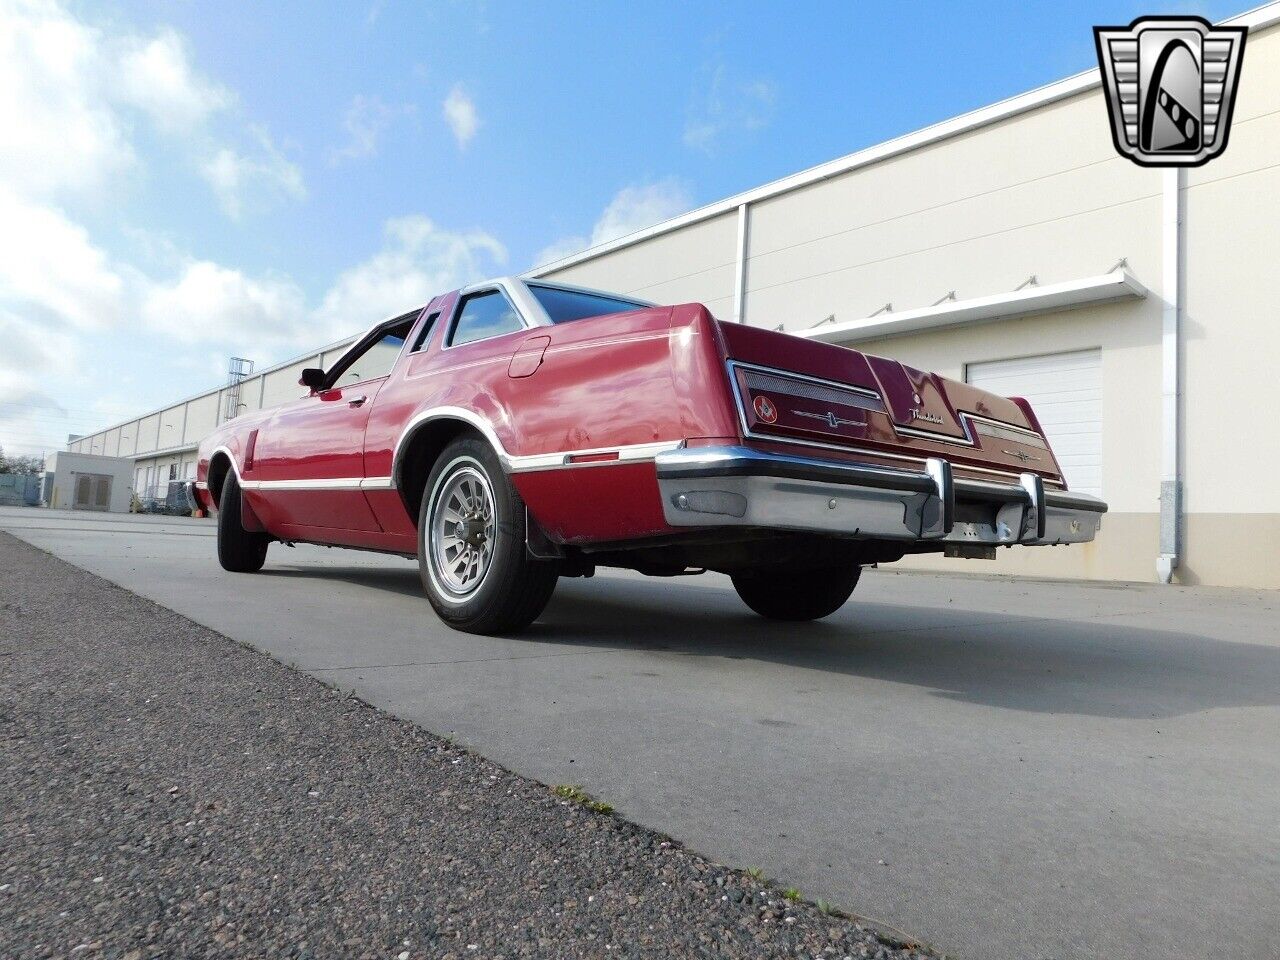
312,378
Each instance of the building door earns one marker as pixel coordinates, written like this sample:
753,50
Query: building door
1065,390
92,492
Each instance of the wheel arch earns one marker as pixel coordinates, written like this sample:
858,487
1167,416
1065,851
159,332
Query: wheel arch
422,443
221,464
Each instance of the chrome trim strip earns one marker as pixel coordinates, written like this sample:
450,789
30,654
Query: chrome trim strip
325,483
965,441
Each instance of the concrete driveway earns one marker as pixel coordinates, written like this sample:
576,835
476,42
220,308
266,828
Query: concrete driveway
1006,769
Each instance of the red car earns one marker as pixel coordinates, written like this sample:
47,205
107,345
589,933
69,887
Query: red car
518,431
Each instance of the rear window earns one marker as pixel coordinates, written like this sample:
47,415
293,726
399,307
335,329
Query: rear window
563,306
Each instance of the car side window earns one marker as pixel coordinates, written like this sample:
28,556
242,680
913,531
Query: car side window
484,315
425,333
377,359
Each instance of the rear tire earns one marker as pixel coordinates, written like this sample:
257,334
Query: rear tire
239,550
796,595
475,568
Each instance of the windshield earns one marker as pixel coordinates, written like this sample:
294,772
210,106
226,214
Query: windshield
565,305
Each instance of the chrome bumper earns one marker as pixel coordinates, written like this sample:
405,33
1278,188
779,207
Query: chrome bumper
739,486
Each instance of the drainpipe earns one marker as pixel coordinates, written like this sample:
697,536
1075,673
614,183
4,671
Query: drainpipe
1175,181
740,273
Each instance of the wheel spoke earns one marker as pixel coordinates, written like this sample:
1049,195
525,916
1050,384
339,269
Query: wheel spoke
462,529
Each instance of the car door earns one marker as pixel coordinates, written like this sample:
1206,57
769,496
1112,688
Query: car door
307,460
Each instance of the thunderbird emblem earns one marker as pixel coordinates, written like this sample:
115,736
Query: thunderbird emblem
1171,86
1020,455
830,419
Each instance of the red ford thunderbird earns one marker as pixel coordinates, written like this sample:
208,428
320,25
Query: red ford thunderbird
518,431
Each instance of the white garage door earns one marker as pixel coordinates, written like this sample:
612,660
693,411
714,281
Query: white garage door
1065,390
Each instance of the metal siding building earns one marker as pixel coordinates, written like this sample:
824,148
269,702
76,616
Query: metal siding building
924,249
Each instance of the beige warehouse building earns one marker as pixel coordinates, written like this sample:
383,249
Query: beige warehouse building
1011,247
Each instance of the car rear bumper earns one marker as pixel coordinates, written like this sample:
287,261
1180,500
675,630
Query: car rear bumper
740,486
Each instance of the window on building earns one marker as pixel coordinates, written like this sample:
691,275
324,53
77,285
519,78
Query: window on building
562,306
484,315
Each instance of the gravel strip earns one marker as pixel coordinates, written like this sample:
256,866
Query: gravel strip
167,792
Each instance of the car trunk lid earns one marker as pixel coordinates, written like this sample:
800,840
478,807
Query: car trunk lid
803,390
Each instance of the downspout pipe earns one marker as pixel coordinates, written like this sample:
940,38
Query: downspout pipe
1175,181
740,269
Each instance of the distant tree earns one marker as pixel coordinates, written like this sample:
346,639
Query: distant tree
20,464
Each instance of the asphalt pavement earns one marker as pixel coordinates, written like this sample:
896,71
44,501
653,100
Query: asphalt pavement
166,792
1003,768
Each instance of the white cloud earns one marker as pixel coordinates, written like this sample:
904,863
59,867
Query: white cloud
258,182
156,77
47,262
70,96
366,119
418,261
727,107
207,301
460,113
57,129
632,208
268,317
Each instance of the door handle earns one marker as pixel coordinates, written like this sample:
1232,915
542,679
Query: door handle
356,401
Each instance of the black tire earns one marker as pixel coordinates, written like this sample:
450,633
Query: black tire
795,595
509,588
239,550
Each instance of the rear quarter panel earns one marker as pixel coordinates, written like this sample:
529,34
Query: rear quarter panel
603,383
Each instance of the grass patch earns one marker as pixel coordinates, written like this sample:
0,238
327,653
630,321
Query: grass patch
575,794
792,894
755,873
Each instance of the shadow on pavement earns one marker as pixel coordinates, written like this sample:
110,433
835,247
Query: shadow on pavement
1092,667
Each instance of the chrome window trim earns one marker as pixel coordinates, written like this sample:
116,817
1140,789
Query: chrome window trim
528,310
388,322
594,291
427,335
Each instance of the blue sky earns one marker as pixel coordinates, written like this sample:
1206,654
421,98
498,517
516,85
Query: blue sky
184,181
